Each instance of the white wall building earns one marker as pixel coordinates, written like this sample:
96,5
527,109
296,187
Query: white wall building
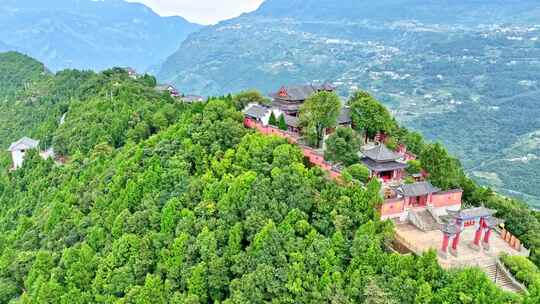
19,148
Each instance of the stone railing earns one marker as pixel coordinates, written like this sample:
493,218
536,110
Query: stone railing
416,221
510,277
512,240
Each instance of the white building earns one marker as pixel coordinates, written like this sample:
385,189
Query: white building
262,113
19,148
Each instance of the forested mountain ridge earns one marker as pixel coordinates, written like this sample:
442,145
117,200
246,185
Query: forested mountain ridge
185,205
88,34
462,72
428,11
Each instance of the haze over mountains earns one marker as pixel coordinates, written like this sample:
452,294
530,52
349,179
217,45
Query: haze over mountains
463,72
90,34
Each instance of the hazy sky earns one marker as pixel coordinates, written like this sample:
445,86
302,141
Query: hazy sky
202,11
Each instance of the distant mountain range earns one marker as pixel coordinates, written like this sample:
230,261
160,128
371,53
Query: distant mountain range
89,34
463,72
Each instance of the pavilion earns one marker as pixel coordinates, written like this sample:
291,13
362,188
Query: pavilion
384,163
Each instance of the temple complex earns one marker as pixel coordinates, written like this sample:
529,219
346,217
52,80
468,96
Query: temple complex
289,99
425,217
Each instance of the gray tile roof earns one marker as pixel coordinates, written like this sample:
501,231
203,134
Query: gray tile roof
383,166
24,143
381,153
256,111
292,121
471,213
192,98
417,189
344,116
303,92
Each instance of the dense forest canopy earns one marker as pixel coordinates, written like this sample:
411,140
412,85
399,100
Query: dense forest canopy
161,202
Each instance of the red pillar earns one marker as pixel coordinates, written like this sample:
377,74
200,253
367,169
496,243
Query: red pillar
486,236
478,235
446,238
455,242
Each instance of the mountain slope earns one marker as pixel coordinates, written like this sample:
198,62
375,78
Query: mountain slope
198,210
90,34
436,64
428,11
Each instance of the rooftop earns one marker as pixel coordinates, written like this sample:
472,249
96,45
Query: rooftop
381,153
472,213
24,143
192,98
417,189
344,116
256,111
292,121
383,166
300,93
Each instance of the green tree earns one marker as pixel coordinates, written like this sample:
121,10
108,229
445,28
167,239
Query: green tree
319,113
342,147
358,172
369,116
414,166
241,100
282,124
272,121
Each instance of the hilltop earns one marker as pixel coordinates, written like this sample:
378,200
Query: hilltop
87,34
462,72
164,202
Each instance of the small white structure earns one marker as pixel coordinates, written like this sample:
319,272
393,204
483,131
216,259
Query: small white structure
262,113
19,148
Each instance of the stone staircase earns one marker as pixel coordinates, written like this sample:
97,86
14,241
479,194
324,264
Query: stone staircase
423,220
501,278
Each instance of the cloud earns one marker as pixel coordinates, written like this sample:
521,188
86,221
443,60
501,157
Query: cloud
202,11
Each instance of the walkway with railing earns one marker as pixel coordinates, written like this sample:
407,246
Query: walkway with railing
314,156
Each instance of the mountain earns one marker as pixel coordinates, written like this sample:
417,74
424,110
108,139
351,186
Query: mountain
462,72
89,34
156,201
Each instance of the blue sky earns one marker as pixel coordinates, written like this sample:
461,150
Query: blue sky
202,11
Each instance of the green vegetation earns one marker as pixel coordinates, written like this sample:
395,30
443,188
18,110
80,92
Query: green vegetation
198,210
369,116
242,99
282,124
358,172
523,269
318,113
272,121
342,147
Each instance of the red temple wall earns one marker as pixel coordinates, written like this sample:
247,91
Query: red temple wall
448,198
392,207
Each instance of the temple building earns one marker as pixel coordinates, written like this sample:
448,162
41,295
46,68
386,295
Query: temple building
420,203
289,99
19,148
192,98
384,163
168,88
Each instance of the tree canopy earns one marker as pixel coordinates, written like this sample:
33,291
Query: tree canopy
369,116
342,147
319,113
199,210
